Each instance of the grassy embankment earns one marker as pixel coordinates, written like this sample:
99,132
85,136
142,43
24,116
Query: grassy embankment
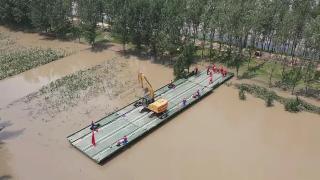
290,104
258,69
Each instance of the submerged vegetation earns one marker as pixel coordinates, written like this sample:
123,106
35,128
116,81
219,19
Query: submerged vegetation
269,99
292,105
13,63
15,58
108,79
6,43
242,95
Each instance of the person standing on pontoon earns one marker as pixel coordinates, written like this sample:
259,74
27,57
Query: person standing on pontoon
171,85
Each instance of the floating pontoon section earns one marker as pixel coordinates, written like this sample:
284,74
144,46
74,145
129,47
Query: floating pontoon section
129,122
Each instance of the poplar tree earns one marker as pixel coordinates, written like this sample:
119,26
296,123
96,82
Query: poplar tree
90,13
15,12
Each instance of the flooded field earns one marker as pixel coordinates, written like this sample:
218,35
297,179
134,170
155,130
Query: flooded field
82,57
220,137
21,85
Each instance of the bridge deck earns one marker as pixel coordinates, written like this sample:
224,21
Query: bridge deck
129,122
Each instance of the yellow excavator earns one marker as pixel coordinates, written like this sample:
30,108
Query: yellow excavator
159,107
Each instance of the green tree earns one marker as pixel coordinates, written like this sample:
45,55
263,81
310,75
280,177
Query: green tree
185,60
292,77
39,14
59,15
157,27
51,16
89,33
299,16
238,24
90,13
211,18
193,13
173,23
138,22
15,12
309,74
120,20
271,68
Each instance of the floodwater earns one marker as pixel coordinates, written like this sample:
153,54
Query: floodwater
27,82
220,137
224,138
82,57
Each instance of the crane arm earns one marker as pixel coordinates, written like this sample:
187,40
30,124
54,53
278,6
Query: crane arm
142,78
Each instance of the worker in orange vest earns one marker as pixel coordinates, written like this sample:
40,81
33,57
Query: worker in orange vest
225,72
196,70
221,69
214,68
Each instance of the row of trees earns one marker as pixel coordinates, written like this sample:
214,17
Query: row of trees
172,27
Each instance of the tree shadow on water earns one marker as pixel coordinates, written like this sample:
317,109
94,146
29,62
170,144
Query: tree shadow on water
141,54
6,134
4,124
5,177
101,46
1,145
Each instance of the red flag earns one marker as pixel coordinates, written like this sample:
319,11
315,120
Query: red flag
93,140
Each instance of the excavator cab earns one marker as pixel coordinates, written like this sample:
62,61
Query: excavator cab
146,101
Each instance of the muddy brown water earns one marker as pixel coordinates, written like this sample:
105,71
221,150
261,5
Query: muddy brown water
15,87
27,82
220,137
81,58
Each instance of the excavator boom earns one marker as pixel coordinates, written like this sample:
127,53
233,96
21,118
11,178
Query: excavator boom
158,106
142,78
